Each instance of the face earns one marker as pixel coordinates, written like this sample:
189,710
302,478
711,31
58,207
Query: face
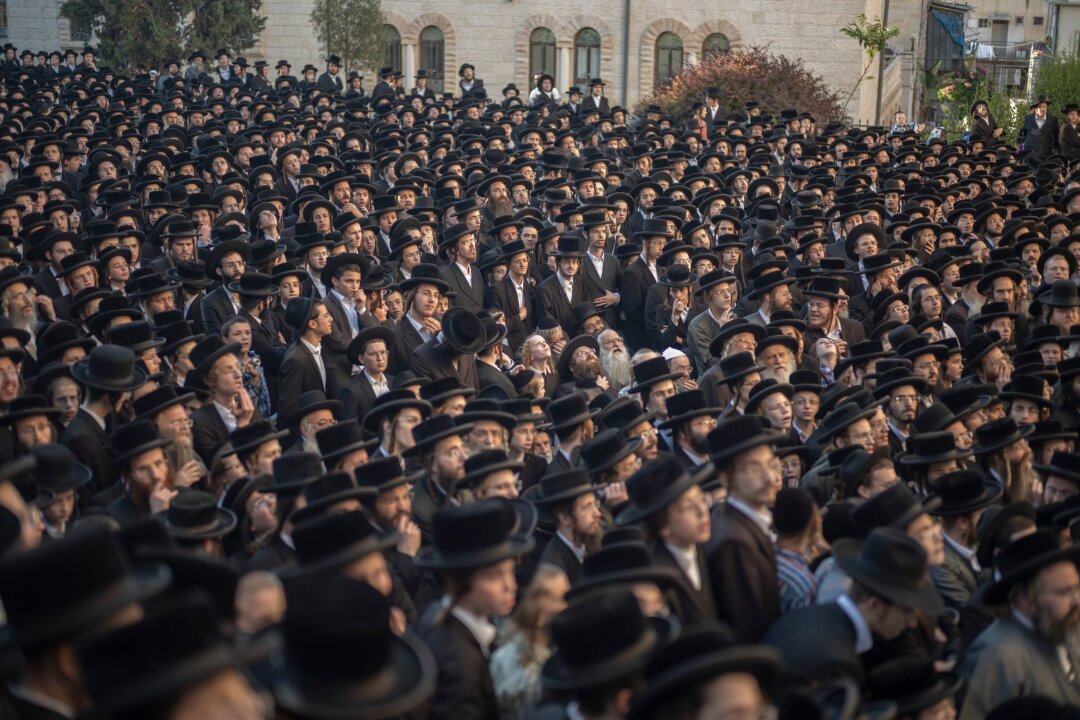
149,470
756,477
66,397
499,484
1058,489
903,403
240,332
687,520
927,532
450,458
732,695
9,380
492,590
657,396
227,694
486,435
34,431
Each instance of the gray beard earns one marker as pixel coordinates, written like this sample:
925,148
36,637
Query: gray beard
502,207
617,368
780,375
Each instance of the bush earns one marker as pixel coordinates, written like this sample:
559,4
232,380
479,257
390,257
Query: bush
957,92
1058,78
776,81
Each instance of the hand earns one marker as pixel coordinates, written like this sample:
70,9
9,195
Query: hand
351,207
602,383
409,543
161,498
45,304
559,346
361,302
242,408
689,383
398,622
615,494
432,325
606,300
190,473
522,313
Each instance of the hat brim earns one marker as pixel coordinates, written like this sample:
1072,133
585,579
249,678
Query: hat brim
926,598
333,406
557,675
990,495
997,593
81,372
224,523
824,435
646,384
138,450
158,409
512,547
663,576
1021,433
256,442
568,353
432,440
372,544
766,437
376,414
632,512
469,478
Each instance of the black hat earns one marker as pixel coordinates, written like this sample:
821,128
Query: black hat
685,406
154,403
136,336
964,492
569,411
63,589
428,433
463,331
607,449
330,541
738,365
391,402
620,564
997,435
252,436
312,401
1025,387
657,484
27,406
892,565
189,274
557,487
894,507
383,473
425,274
208,351
482,464
599,639
324,493
623,413
474,536
649,373
132,439
932,447
195,515
340,439
1023,558
56,470
174,647
737,435
110,368
341,658
1062,464
841,418
292,471
254,284
764,389
732,328
567,354
912,684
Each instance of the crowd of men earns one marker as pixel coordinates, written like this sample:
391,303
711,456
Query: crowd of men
321,404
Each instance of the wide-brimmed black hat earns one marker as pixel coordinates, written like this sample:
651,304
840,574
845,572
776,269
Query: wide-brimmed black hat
599,639
685,406
732,328
312,401
841,418
482,464
569,411
893,565
769,281
737,435
428,433
932,447
993,519
567,354
1025,387
383,473
176,646
368,334
292,471
391,402
606,450
649,373
28,406
341,658
340,439
1062,464
254,284
474,536
462,331
63,589
487,409
158,401
997,435
222,249
764,389
737,366
1024,558
195,515
56,470
208,351
425,274
189,274
622,564
329,541
253,435
624,413
912,684
698,655
657,484
964,492
894,507
136,336
324,494
713,278
110,368
993,271
559,487
132,439
882,261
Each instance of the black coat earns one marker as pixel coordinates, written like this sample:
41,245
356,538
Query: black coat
558,554
215,309
208,432
607,280
470,295
488,375
92,447
742,565
1039,143
406,340
697,605
328,83
818,644
553,302
299,374
276,554
1069,140
464,690
503,296
432,360
636,281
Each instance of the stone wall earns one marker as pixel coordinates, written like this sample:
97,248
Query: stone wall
36,24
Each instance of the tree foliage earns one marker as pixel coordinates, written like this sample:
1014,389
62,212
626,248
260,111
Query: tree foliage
776,81
872,36
150,32
352,29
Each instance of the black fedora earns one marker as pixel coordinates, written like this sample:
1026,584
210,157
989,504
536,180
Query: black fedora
764,389
292,471
252,436
649,373
769,281
1024,558
384,473
997,435
624,414
340,439
601,638
841,418
441,390
132,439
1026,387
559,487
893,565
59,590
128,671
329,541
28,406
427,434
963,492
392,402
341,659
195,515
685,406
737,366
425,274
571,245
369,334
1062,464
990,525
208,351
932,447
606,450
474,536
110,368
310,402
569,411
895,507
56,469
189,274
254,284
737,435
936,418
622,563
657,484
136,336
462,331
154,403
912,684
324,494
482,464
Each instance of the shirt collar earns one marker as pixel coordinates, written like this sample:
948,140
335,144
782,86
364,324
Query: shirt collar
481,628
685,556
864,639
43,701
966,553
372,381
466,271
97,418
697,459
578,550
315,349
761,519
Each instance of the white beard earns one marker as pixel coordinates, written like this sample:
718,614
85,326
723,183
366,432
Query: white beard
617,368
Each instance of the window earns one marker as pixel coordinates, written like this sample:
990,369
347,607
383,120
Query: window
715,44
1037,20
392,47
432,47
984,22
1020,20
541,53
668,57
586,56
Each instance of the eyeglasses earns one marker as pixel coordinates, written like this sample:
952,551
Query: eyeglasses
319,255
181,423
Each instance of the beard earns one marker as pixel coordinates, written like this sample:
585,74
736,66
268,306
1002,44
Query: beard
29,323
6,176
699,444
617,367
311,446
1021,480
1065,631
504,206
590,370
780,374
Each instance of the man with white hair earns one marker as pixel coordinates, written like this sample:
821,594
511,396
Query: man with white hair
615,359
777,353
679,362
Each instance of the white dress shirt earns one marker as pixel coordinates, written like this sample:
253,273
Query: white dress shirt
481,628
316,350
687,559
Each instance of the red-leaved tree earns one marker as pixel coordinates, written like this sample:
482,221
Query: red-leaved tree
775,81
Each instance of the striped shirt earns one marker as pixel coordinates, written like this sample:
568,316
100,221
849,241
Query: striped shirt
798,587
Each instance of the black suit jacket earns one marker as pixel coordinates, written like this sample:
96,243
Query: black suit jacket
328,83
208,432
558,554
464,690
275,555
608,280
358,396
503,296
92,447
553,302
48,284
215,308
432,360
696,605
818,644
470,295
299,374
742,565
595,103
636,281
406,340
488,375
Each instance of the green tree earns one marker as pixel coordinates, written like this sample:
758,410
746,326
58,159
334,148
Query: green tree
872,36
231,24
351,29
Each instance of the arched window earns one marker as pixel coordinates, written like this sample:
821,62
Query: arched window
668,57
715,44
432,47
392,47
586,56
541,53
